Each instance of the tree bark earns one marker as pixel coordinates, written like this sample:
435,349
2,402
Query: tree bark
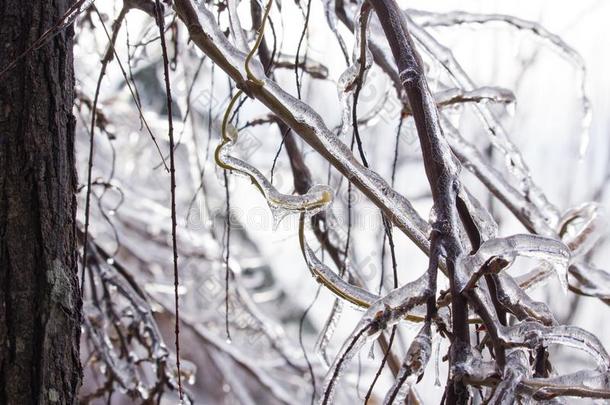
40,304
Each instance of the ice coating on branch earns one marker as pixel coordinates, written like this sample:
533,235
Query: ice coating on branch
70,16
591,383
536,277
382,314
374,113
139,214
477,367
519,303
471,158
532,334
315,200
306,122
487,93
383,56
355,74
331,280
226,348
400,210
555,42
347,272
542,217
587,280
581,227
485,223
513,158
517,368
551,251
413,366
331,19
223,48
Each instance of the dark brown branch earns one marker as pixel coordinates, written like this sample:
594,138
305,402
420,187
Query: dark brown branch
442,172
172,173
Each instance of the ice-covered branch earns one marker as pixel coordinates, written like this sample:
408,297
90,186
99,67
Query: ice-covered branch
302,119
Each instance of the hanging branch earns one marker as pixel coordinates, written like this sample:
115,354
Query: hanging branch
172,173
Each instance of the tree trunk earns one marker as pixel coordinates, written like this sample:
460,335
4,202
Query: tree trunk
40,304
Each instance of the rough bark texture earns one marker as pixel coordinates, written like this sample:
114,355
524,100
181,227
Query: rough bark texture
39,294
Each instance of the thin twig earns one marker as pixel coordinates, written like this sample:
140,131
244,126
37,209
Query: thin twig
172,173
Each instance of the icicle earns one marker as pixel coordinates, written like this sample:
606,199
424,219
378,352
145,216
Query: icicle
235,25
372,351
328,330
587,118
437,363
